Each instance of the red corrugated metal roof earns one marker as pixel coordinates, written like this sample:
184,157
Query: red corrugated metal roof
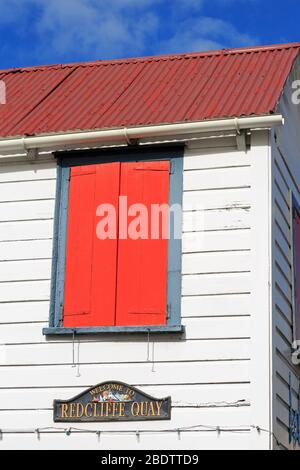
145,91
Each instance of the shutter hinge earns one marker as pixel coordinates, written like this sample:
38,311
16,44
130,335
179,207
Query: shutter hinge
172,167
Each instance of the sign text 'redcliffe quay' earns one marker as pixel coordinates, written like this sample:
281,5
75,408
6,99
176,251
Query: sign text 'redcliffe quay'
111,401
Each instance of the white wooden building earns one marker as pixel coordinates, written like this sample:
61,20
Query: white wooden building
228,363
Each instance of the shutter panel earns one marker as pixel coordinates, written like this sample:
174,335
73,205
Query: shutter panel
77,300
297,273
142,263
90,280
104,274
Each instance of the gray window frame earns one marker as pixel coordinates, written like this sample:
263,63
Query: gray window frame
65,160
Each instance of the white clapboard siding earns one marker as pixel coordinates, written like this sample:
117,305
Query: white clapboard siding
21,250
283,288
235,327
217,199
195,221
26,230
282,235
282,241
205,263
284,264
195,306
216,241
24,269
284,284
284,328
218,305
210,363
282,437
215,283
26,290
279,251
196,328
282,411
24,312
86,441
188,372
180,418
282,223
285,181
27,190
281,203
282,391
182,395
281,182
27,210
283,346
105,352
213,158
285,372
216,178
27,171
283,304
282,226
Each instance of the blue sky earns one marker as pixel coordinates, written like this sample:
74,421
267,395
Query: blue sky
54,31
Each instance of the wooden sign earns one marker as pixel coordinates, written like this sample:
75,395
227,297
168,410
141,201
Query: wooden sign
111,401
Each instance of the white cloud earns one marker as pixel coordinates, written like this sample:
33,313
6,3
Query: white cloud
91,29
84,28
205,33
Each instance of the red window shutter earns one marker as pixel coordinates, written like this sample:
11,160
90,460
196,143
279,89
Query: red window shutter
142,263
105,251
297,272
90,280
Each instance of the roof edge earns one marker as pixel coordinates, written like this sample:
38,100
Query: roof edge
126,135
220,52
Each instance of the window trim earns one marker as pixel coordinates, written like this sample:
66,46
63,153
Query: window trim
67,159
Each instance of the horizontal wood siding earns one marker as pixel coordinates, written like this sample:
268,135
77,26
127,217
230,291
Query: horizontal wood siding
286,179
207,372
282,298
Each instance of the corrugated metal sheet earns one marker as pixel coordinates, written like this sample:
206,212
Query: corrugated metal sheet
151,90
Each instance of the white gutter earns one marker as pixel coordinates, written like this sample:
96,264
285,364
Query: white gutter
57,141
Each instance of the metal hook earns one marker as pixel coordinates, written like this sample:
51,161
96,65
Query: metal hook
73,350
148,346
78,364
153,362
